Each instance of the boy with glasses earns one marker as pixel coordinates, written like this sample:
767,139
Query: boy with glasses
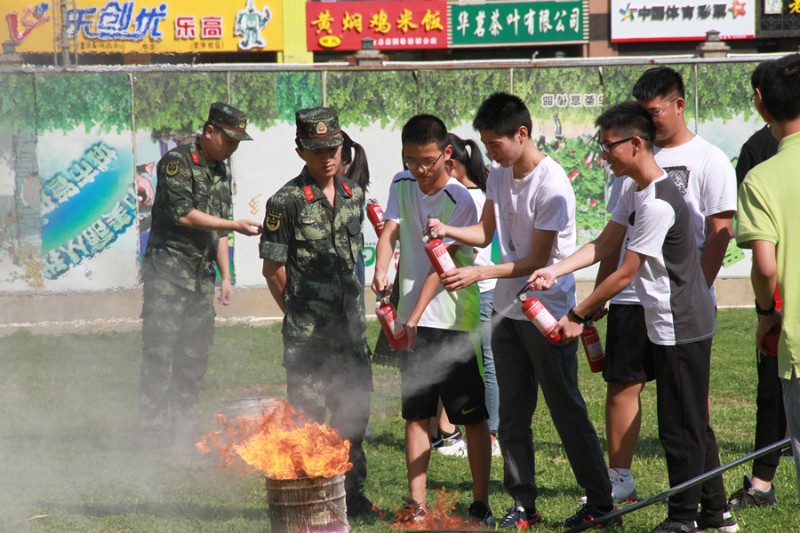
653,220
706,179
440,360
530,202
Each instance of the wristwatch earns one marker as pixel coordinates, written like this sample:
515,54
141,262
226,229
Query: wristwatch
575,317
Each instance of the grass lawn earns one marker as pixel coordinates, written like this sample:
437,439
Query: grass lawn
69,411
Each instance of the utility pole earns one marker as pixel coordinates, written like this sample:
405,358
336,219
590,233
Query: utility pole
65,33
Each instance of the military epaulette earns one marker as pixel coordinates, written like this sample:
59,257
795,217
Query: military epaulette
195,157
347,189
309,193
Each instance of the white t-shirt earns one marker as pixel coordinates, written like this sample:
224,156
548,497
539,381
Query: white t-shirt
410,207
677,304
484,257
541,200
707,180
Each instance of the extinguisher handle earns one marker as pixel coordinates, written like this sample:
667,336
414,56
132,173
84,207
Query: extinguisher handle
522,291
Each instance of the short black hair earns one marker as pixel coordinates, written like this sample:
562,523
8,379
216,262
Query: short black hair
659,82
503,114
424,129
629,119
758,74
780,88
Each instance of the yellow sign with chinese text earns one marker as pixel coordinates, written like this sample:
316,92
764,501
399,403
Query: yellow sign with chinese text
148,26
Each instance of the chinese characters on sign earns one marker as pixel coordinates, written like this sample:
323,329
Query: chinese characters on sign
407,25
519,23
150,26
572,100
96,163
686,20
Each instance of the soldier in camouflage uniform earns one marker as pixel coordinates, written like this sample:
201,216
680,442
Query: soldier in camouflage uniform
191,221
312,240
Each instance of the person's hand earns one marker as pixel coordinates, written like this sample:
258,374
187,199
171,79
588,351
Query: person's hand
598,314
225,292
435,225
766,323
379,226
569,330
247,227
542,279
380,283
459,278
411,335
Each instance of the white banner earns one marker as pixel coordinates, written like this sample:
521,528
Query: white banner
687,20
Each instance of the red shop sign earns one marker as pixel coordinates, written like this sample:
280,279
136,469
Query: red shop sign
405,25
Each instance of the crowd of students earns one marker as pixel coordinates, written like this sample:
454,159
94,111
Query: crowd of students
673,202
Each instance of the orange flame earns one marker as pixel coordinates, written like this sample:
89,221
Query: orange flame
437,517
280,442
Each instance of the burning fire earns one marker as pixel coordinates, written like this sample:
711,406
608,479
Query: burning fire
280,442
437,517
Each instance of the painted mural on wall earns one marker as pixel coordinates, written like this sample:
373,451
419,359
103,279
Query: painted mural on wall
76,184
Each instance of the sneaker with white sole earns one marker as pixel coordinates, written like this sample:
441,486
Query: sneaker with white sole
457,449
721,522
623,487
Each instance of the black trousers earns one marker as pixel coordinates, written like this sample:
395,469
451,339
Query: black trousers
690,446
770,416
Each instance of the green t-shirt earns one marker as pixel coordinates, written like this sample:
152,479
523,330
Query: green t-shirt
768,200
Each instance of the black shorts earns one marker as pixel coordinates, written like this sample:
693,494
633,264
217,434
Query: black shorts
443,364
629,352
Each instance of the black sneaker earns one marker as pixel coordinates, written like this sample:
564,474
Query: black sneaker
588,513
721,522
518,518
676,526
480,513
749,496
446,439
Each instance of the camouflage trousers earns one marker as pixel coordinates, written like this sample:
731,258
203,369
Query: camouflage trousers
177,331
333,379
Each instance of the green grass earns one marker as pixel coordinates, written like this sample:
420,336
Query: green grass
69,412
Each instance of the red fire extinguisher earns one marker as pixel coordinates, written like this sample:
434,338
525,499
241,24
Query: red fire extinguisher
392,327
769,344
437,253
375,215
544,321
593,347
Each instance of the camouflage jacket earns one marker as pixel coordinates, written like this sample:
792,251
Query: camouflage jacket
319,246
183,255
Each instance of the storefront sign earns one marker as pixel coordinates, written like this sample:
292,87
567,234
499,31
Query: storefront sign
686,20
148,26
392,25
519,23
779,18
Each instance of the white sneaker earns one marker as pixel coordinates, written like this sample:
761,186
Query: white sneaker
457,449
623,487
496,448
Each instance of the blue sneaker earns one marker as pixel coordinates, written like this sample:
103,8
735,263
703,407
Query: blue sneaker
518,518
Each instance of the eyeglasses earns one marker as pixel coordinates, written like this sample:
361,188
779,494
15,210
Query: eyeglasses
606,147
657,111
422,165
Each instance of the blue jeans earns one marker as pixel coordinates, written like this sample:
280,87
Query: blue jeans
489,374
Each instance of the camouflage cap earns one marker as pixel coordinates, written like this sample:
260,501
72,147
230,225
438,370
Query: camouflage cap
231,120
318,127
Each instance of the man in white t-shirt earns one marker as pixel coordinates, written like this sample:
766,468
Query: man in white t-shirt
654,221
531,205
440,360
707,181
